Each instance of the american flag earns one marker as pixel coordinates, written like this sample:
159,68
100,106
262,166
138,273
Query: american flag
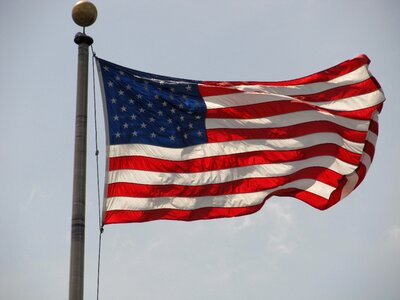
183,149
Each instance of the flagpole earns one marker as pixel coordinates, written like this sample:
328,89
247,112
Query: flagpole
84,14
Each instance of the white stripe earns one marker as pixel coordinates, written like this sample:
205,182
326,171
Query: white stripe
295,118
249,98
366,160
345,104
233,200
355,102
352,180
231,174
355,76
239,99
233,147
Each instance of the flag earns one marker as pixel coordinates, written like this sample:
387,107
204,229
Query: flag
184,149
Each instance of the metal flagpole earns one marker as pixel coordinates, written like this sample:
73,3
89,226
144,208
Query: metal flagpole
84,14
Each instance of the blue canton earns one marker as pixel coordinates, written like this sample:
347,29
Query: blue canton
144,108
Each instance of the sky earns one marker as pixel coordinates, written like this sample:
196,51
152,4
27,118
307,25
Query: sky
287,250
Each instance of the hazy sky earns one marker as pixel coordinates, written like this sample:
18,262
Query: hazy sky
288,250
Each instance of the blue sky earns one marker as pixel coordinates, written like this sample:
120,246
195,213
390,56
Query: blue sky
288,250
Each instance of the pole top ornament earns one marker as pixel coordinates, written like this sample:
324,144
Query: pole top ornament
84,13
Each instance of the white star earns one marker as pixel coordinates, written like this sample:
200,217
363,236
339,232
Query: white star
149,105
178,128
143,125
153,135
139,96
110,84
181,106
185,136
128,87
142,110
171,97
106,68
117,135
123,108
172,90
184,96
131,101
162,129
160,113
190,125
113,100
188,88
199,133
134,133
126,125
156,97
173,110
120,92
121,73
172,138
116,118
182,118
117,78
198,117
170,121
133,117
152,120
164,103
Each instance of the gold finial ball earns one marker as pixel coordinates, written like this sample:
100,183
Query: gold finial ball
84,13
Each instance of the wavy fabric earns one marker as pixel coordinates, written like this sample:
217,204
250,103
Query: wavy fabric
182,149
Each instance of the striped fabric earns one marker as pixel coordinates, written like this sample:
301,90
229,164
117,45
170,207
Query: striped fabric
188,150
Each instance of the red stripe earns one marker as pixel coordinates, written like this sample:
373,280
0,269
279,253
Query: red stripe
326,75
222,135
247,185
361,114
361,171
337,193
364,87
259,110
127,216
212,90
269,109
307,197
231,161
374,127
369,149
